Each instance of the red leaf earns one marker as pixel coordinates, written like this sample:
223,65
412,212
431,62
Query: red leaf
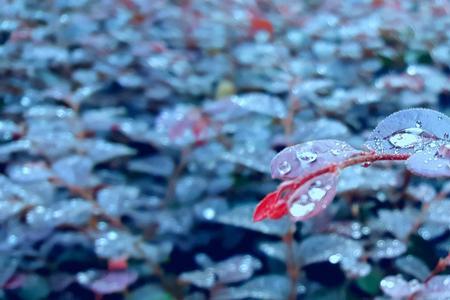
118,264
304,200
260,24
270,207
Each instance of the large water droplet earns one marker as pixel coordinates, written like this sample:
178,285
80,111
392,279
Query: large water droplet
316,193
407,138
306,156
301,210
444,151
284,168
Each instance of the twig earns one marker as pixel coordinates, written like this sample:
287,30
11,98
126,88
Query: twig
292,267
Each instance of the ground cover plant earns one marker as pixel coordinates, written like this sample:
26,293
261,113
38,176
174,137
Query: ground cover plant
137,139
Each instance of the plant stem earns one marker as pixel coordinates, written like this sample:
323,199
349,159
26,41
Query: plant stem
292,266
440,267
170,191
363,157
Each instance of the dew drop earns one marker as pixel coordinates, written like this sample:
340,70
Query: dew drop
366,164
306,156
316,194
284,168
335,152
407,138
444,151
335,258
416,130
301,210
419,124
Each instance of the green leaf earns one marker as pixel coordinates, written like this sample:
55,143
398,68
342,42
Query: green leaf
371,283
149,292
35,287
327,293
423,250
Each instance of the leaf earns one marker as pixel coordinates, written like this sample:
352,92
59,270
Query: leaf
325,247
29,172
430,163
388,248
438,288
270,208
100,151
371,282
398,222
261,103
319,129
304,159
430,230
412,265
276,250
237,268
157,165
74,212
269,287
408,131
234,269
300,201
241,216
438,212
398,288
34,288
75,170
312,197
117,200
106,282
113,282
149,292
357,179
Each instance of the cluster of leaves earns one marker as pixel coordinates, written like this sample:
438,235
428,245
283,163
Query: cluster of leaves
136,138
311,169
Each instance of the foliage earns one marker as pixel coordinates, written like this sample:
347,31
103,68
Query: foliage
136,138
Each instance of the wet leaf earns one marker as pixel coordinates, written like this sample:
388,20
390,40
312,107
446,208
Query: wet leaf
388,248
412,265
437,288
329,247
304,159
398,288
273,287
409,131
312,197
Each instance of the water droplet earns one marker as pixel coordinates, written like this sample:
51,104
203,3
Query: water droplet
419,124
335,152
335,258
300,210
316,194
306,156
444,151
366,164
284,168
407,138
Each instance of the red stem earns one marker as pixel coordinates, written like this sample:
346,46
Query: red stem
363,157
